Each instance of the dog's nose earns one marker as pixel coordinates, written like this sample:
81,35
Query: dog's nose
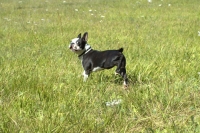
70,46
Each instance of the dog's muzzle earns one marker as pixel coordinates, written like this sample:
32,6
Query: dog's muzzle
71,45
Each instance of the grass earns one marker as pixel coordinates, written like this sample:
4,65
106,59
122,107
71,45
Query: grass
41,87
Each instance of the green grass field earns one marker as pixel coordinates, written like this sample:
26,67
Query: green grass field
41,87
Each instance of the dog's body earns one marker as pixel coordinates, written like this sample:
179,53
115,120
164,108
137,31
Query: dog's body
93,60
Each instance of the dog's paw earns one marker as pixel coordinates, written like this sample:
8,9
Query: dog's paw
125,84
125,87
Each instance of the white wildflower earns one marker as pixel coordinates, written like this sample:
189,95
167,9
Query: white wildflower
90,10
7,19
102,16
76,10
114,102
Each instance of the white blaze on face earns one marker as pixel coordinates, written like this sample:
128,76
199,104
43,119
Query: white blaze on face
74,45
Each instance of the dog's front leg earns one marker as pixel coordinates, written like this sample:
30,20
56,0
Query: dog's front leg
85,75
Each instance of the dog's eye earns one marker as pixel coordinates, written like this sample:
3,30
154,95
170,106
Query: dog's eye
78,43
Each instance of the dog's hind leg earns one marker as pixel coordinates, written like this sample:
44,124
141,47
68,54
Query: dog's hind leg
121,70
124,76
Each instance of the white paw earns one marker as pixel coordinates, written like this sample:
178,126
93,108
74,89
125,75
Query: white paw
85,76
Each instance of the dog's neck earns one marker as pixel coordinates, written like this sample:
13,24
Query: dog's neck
85,51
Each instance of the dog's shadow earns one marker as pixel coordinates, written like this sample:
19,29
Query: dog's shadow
114,79
117,79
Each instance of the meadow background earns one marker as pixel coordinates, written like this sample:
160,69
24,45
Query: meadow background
41,87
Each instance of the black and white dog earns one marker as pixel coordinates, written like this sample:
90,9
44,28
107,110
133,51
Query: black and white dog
93,60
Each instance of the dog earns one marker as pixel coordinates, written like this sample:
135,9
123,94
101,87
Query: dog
93,60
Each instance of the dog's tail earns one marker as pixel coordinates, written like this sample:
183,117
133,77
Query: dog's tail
120,50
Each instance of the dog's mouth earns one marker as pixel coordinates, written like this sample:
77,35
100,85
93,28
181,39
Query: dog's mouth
72,48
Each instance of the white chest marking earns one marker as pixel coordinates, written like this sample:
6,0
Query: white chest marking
97,69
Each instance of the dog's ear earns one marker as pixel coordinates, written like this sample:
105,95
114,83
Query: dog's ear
79,36
85,36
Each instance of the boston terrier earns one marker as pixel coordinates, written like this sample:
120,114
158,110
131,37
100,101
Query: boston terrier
93,60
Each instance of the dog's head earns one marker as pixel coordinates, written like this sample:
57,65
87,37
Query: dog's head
78,44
